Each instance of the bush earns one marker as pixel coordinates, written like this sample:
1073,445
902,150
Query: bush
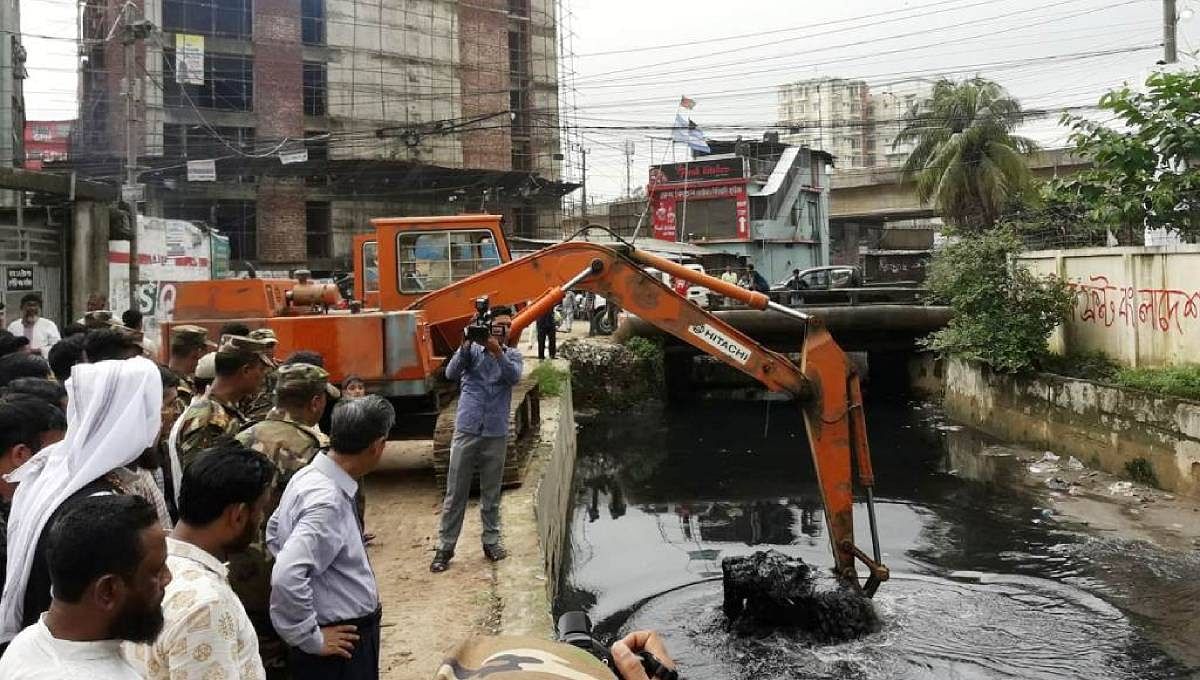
1085,365
649,352
550,379
1175,381
1002,312
1140,471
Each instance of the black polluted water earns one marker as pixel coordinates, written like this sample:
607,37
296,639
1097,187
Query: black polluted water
984,584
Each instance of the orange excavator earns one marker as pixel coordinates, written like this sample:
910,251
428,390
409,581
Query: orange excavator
400,347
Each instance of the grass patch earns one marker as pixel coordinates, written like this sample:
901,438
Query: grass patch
1140,471
1083,365
1175,381
550,379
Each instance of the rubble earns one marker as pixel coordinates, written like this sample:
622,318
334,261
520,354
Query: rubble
769,588
608,376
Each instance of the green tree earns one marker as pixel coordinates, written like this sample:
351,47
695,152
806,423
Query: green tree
1003,313
1144,171
967,162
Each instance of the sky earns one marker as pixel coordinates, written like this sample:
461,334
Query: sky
628,62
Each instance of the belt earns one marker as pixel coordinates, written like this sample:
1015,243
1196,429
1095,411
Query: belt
362,622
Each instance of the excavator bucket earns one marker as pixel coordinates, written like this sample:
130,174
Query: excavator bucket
833,417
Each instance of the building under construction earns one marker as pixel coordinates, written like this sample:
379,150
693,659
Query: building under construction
288,125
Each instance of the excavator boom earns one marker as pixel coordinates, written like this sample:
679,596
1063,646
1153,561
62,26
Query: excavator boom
825,384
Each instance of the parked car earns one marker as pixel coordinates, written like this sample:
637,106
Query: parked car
825,278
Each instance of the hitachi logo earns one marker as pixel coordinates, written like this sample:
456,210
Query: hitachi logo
722,342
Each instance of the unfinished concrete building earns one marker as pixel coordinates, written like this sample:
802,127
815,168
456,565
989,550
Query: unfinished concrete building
289,125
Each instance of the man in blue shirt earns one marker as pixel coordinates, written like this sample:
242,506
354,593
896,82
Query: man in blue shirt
486,375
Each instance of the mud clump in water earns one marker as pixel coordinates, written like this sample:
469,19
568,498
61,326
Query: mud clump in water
771,589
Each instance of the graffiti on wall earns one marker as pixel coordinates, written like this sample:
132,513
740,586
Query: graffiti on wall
1099,302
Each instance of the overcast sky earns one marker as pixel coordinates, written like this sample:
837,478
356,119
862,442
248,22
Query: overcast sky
729,57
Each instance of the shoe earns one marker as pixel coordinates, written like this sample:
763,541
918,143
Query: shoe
441,561
495,552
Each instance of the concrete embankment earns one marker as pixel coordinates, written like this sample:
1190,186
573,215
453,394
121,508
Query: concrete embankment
1106,427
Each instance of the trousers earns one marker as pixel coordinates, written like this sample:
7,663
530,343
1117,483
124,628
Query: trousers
363,663
542,337
469,453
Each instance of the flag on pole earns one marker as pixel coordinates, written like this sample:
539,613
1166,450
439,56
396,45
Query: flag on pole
686,132
687,103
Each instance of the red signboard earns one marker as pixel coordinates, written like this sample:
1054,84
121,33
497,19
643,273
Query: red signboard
703,170
666,201
664,217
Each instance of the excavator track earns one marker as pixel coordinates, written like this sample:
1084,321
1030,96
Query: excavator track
524,419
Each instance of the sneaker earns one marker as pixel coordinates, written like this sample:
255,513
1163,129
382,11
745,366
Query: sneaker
441,561
495,552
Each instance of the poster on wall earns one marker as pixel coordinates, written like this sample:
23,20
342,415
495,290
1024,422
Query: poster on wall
189,59
19,279
664,217
743,213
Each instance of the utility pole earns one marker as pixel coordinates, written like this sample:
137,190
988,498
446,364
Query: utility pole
1170,25
629,151
133,32
583,152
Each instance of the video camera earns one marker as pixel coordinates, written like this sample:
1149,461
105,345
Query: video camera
482,326
575,629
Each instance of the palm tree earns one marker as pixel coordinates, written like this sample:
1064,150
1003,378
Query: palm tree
967,161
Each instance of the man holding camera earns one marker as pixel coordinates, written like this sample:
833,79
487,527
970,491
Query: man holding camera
487,369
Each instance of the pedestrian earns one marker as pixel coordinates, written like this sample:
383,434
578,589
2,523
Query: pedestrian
66,353
547,331
241,364
796,284
188,344
206,632
22,365
11,344
27,425
115,414
49,391
318,547
730,276
757,282
111,342
353,387
486,375
568,312
287,438
108,566
134,321
148,479
258,405
41,332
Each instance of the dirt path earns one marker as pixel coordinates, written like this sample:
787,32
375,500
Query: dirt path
424,614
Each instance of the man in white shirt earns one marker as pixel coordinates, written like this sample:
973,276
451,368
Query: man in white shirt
42,333
207,633
108,567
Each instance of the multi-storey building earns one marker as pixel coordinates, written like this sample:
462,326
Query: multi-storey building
289,125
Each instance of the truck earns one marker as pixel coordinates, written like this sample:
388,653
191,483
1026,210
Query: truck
433,276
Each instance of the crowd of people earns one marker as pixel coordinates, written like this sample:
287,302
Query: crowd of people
204,518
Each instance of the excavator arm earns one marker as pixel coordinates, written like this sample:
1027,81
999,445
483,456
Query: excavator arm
825,384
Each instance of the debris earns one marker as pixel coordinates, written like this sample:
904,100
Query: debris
1058,484
966,575
1074,463
1121,488
1041,468
1048,457
1075,490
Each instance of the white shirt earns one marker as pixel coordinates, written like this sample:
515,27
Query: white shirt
44,333
207,633
35,654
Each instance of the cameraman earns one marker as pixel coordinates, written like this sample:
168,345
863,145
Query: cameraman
486,373
504,657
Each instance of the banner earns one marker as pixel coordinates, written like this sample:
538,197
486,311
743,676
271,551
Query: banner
700,170
189,59
202,171
664,217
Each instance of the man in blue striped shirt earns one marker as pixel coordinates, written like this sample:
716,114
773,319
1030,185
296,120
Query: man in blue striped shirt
324,600
486,374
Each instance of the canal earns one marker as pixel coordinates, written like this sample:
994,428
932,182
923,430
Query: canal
986,584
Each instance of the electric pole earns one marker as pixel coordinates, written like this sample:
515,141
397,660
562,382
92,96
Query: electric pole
134,30
1170,25
583,152
629,151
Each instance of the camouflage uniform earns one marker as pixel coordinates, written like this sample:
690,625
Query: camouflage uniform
258,405
523,658
289,445
210,418
184,339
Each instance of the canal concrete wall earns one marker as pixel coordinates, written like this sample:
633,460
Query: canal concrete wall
1138,305
1104,426
537,518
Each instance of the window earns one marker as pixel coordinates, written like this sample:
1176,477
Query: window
198,142
228,83
705,219
318,219
370,266
312,22
227,18
316,88
818,280
235,219
432,260
518,8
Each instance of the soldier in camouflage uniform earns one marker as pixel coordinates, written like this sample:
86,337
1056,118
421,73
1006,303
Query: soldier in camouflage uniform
528,658
289,438
241,364
256,406
188,344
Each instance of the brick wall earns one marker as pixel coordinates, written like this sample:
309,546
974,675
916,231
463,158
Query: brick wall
483,69
279,216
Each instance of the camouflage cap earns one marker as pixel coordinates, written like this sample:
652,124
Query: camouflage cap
523,658
99,318
240,344
264,334
290,375
191,336
206,368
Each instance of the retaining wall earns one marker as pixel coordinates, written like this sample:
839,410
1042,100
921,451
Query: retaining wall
1103,426
536,518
